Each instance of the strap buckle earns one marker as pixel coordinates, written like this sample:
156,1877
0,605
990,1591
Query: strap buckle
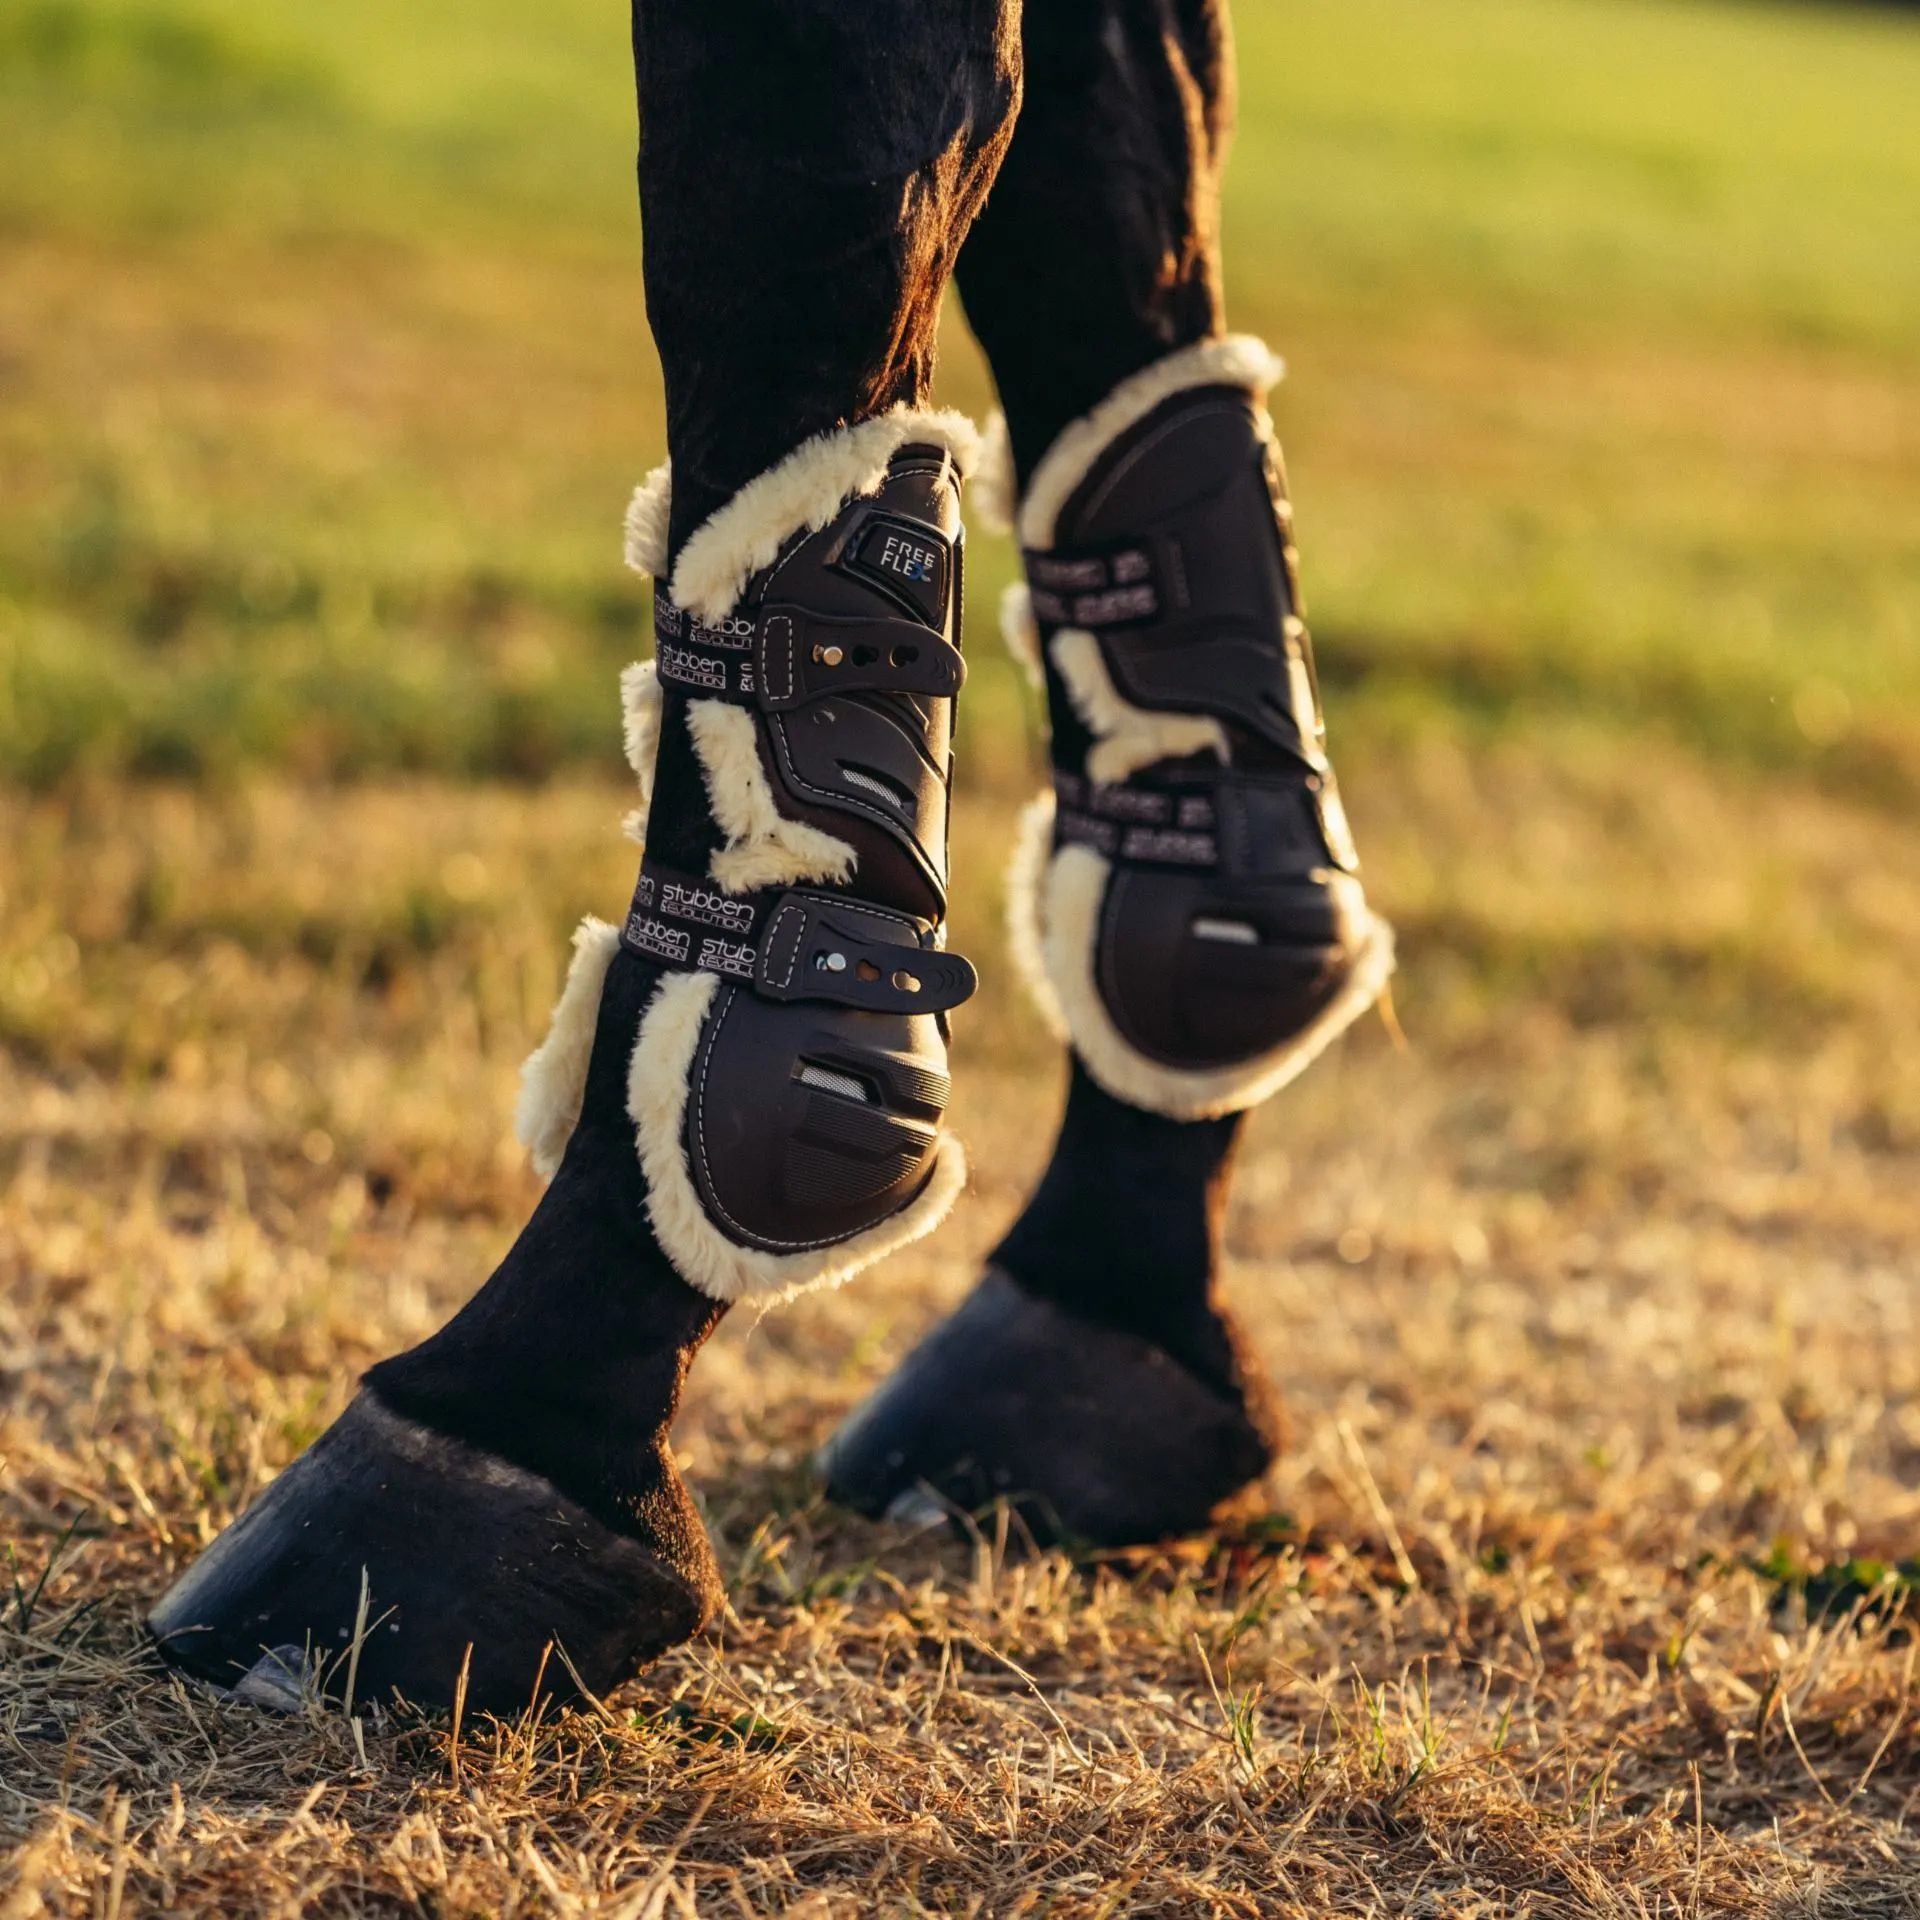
818,947
795,944
805,656
788,657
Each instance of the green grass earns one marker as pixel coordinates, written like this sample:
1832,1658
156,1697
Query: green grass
326,370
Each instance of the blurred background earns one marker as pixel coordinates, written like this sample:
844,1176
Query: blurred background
326,373
324,377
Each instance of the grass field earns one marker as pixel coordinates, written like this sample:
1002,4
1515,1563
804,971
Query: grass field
323,375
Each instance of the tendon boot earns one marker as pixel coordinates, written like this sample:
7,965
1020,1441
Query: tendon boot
741,1095
1186,906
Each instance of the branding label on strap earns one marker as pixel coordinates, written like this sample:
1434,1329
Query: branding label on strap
681,900
1154,826
1163,847
794,945
719,661
672,910
1189,808
1114,608
728,956
686,668
733,634
1249,827
654,937
1093,589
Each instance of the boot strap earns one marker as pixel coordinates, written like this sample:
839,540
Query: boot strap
1094,587
795,943
1170,645
784,657
1242,826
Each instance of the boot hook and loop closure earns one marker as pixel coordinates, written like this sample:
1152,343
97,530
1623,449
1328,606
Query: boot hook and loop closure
1224,819
796,943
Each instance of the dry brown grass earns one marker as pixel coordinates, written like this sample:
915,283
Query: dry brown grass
1596,1294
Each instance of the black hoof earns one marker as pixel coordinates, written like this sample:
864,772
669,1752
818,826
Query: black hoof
1093,1434
461,1551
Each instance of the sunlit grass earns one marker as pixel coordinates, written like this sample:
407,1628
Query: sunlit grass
328,371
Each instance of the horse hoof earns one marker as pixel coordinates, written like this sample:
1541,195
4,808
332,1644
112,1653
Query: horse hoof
1092,1434
392,1560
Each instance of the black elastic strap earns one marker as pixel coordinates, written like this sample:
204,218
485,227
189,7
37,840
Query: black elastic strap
1244,826
1094,587
794,944
788,657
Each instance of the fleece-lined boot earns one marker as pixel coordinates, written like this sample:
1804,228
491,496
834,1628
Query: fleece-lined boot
741,1096
1187,909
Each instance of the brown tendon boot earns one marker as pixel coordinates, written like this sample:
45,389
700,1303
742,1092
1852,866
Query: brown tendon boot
1187,910
741,1097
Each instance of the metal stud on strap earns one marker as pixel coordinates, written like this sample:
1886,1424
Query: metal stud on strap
804,656
795,944
820,948
789,657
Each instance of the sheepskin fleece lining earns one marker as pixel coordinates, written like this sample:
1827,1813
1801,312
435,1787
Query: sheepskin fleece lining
764,848
1126,737
1021,632
1238,360
1026,875
1069,919
995,493
646,529
701,1254
802,493
553,1083
640,730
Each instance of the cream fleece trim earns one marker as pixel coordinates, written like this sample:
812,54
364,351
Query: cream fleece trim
646,529
803,493
994,496
640,730
1054,904
1069,917
1026,945
1021,632
764,848
1126,737
1237,360
701,1254
553,1083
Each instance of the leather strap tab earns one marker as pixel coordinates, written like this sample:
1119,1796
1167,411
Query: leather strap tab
789,657
803,656
794,944
818,947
